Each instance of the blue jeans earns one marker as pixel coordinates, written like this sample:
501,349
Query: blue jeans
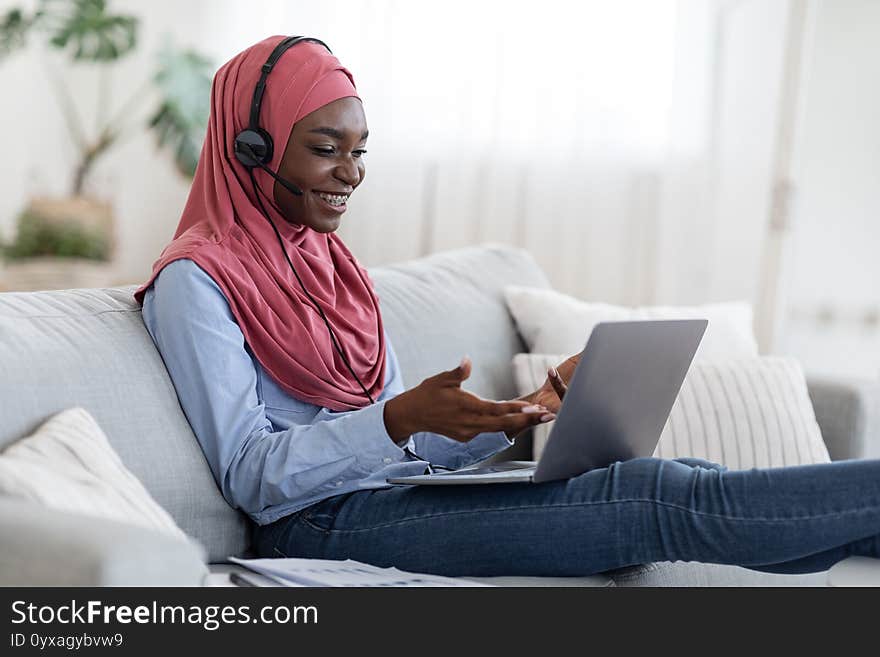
784,520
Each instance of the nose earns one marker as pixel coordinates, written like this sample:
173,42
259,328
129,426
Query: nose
347,171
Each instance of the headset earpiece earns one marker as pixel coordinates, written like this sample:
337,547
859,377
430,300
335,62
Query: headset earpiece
253,147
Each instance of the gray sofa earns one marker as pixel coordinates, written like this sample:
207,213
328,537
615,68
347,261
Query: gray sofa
89,347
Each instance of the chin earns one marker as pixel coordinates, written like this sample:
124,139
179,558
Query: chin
328,225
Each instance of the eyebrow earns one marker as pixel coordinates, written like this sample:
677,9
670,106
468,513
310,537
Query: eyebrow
336,134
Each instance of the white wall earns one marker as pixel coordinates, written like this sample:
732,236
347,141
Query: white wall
833,280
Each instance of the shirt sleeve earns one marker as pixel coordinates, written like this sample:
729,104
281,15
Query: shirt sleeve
214,375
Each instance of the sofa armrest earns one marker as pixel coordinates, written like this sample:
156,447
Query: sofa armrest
846,410
46,547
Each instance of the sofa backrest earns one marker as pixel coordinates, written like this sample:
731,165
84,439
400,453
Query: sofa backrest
89,348
441,307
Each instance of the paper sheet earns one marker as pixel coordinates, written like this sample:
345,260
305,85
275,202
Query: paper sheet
327,572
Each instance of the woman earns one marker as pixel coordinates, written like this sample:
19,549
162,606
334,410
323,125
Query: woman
272,334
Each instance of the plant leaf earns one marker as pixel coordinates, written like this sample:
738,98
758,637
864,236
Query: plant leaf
184,81
14,29
86,27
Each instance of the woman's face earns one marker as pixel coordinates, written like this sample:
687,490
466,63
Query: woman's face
323,158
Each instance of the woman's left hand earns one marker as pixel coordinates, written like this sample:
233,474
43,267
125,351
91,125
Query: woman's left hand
555,385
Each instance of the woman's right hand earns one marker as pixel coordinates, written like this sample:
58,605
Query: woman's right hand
439,405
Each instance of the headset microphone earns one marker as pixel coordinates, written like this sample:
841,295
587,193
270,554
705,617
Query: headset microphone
289,186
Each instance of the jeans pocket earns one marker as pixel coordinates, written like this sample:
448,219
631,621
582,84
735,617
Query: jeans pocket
322,515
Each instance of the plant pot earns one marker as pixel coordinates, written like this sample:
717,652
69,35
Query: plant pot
49,273
43,260
85,211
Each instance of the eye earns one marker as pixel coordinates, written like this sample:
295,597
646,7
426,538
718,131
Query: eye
326,152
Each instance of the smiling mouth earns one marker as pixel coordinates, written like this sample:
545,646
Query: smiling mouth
334,199
336,203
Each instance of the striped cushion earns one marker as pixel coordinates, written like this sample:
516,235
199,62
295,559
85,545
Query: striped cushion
742,413
69,465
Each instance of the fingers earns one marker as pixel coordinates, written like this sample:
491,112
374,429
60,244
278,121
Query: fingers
472,404
517,417
557,382
508,407
481,415
517,422
512,423
456,375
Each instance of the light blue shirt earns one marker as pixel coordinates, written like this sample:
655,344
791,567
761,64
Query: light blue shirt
272,454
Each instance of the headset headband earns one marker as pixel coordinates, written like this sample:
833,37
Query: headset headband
280,49
253,146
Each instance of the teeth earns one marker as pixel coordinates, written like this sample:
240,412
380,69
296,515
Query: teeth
334,199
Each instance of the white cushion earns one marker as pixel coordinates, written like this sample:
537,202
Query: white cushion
742,413
551,322
68,464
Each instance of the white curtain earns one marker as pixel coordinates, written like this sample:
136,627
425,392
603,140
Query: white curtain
632,146
614,140
625,144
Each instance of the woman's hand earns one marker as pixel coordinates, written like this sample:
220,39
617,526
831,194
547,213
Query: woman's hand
438,404
555,385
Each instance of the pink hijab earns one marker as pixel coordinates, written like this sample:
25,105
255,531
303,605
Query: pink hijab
223,230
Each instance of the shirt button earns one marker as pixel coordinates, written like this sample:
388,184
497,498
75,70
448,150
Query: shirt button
386,460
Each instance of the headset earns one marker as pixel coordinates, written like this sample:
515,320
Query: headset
253,147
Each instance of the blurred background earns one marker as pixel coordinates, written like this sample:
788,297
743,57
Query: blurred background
644,151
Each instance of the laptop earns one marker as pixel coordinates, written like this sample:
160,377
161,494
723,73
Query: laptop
615,408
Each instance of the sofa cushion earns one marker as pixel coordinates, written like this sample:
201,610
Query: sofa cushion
742,413
553,323
67,464
90,348
59,548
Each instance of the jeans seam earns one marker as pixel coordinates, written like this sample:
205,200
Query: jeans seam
303,514
308,521
555,506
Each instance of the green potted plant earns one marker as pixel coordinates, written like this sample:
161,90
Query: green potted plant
63,234
52,248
